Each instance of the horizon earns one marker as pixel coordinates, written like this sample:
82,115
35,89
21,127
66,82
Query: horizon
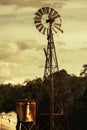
23,81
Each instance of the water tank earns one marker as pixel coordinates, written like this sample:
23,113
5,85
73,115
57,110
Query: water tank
26,110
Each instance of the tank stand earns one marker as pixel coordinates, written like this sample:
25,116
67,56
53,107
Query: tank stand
26,126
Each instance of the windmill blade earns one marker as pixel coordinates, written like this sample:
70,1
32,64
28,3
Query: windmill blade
51,11
44,10
58,24
47,10
40,28
55,13
38,25
54,30
56,16
37,21
36,17
58,29
40,11
38,14
44,30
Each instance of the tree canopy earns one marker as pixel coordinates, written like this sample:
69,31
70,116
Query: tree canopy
74,90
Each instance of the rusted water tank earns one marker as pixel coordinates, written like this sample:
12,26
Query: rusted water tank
26,110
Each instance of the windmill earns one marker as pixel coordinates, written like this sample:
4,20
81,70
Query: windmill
48,21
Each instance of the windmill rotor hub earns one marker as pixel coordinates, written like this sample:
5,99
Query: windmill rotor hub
50,20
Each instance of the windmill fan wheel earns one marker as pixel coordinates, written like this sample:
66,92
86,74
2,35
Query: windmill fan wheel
47,16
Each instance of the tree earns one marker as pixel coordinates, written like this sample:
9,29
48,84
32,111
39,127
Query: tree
84,71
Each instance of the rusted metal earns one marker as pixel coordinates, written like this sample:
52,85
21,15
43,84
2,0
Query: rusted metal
26,110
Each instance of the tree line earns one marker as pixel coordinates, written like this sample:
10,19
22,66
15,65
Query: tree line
74,90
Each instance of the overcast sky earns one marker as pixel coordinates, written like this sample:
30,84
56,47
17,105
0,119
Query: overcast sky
21,44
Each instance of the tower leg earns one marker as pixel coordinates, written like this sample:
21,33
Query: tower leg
20,126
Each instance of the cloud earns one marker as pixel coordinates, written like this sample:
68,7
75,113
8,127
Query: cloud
65,50
6,50
75,10
21,18
61,43
9,53
15,15
33,3
83,49
75,14
29,45
7,70
65,61
22,64
20,3
21,52
25,44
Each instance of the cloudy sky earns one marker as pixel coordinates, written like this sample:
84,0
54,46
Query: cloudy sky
21,44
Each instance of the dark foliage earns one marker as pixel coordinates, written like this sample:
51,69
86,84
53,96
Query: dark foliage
74,93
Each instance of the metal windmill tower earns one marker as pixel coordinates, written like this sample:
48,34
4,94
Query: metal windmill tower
48,21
